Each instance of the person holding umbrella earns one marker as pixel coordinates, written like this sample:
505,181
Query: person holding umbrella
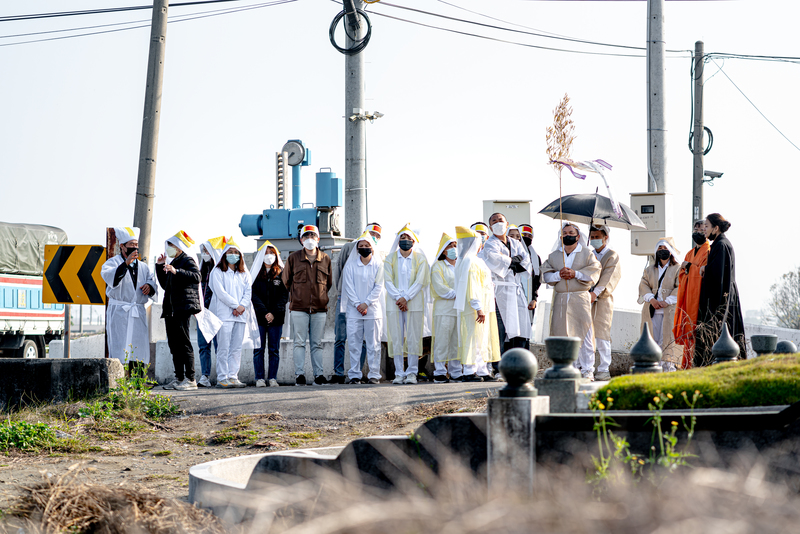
572,270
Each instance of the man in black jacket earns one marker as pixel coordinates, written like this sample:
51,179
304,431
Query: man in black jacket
180,280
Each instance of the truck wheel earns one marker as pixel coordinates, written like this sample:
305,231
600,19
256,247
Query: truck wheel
29,350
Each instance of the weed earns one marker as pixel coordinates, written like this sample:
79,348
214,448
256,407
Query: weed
162,453
305,435
192,439
25,436
231,436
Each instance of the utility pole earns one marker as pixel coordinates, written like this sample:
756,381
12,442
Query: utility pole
656,123
146,178
698,130
355,211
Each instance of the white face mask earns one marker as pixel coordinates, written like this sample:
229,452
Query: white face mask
206,257
172,252
499,228
269,259
309,244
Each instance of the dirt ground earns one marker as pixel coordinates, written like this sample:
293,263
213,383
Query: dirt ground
159,457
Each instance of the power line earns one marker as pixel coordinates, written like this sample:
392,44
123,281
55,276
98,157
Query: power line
752,104
186,18
498,20
104,10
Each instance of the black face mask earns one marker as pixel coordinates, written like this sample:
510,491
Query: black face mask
699,238
569,240
364,252
405,244
663,255
527,241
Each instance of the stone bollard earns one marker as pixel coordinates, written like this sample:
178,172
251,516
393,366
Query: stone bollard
785,346
646,354
562,381
764,343
511,440
725,349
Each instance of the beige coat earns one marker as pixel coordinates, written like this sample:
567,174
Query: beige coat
669,287
572,307
603,307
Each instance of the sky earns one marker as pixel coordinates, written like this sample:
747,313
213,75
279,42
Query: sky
464,117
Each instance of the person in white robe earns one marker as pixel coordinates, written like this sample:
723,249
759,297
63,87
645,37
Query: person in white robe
572,270
130,285
445,334
231,286
531,282
406,275
508,259
482,229
362,291
478,340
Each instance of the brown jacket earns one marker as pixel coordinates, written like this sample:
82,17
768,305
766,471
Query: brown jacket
308,283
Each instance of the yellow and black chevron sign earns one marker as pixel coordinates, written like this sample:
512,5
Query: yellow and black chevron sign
72,274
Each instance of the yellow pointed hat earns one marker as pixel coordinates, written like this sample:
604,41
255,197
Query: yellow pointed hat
462,232
181,240
443,242
407,230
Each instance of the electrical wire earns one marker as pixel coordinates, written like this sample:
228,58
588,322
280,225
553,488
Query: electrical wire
756,107
499,20
187,17
358,44
56,14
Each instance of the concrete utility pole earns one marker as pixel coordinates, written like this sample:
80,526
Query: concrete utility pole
146,179
698,130
355,211
656,123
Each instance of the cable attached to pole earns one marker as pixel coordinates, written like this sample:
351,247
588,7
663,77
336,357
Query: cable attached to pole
710,140
353,16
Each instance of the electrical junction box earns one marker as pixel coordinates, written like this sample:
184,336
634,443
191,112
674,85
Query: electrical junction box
516,211
655,210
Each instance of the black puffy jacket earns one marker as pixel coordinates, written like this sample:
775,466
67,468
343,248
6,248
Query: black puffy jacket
269,295
182,289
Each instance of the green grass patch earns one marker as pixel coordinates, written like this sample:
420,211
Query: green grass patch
162,453
304,435
192,439
231,436
763,381
25,436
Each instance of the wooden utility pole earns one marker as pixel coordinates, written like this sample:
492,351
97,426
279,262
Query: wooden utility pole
146,179
697,133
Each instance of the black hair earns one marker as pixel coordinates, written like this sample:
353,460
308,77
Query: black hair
498,213
599,229
481,222
719,221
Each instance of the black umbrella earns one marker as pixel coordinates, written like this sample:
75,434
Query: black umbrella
592,210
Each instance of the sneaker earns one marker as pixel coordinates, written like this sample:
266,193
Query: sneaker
471,378
172,384
225,384
320,381
237,383
261,383
374,381
273,383
204,382
398,380
589,375
604,376
493,378
338,379
353,381
364,380
440,379
186,385
410,378
300,380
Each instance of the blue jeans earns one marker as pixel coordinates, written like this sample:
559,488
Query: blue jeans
271,340
340,331
205,353
307,326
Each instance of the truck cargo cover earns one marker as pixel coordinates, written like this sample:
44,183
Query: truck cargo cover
22,247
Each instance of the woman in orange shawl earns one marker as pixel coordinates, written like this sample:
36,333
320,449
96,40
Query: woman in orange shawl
689,294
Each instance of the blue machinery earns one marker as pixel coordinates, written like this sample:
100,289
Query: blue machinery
280,225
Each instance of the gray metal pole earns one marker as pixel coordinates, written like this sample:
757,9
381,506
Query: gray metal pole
697,128
656,122
80,318
355,211
148,151
67,328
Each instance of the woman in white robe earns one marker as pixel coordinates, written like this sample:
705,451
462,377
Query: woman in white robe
445,335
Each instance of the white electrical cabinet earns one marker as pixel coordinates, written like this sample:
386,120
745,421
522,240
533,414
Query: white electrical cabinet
516,211
655,210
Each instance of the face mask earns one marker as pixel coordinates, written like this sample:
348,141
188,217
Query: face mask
527,241
232,258
405,244
129,251
596,243
206,257
569,240
663,255
309,244
452,253
712,237
269,259
499,228
699,238
365,252
171,252
483,238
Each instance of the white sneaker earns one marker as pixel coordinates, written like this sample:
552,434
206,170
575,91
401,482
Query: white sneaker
204,382
398,380
260,383
225,384
186,385
172,384
588,374
273,383
602,376
411,378
237,383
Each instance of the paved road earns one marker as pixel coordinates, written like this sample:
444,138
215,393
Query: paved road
333,402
